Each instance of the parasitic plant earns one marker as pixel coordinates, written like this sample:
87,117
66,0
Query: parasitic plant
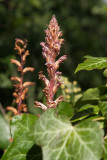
51,49
21,87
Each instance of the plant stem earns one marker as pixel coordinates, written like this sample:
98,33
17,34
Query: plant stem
21,85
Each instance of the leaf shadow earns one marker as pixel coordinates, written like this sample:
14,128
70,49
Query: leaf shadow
83,113
35,153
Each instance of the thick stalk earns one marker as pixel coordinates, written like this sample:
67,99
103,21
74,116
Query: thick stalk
21,85
51,89
52,83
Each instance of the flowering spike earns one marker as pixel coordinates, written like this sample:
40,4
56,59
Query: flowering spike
20,87
50,50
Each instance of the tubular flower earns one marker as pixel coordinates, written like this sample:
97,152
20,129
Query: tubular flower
20,86
51,49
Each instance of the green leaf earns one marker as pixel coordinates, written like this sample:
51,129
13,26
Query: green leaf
105,72
85,112
93,108
104,97
36,3
103,108
65,108
22,147
91,94
62,141
5,82
105,148
95,93
92,63
4,133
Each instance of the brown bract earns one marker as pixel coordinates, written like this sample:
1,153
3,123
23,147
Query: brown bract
51,49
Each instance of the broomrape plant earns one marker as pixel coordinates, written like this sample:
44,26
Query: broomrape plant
21,87
64,131
51,49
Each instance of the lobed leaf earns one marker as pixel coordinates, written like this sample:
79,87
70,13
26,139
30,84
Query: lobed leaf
22,147
105,72
62,141
4,133
92,63
85,111
105,148
103,108
65,108
91,94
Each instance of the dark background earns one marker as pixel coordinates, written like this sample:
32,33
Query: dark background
84,26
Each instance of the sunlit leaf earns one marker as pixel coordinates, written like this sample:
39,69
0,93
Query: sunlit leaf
22,147
91,94
65,108
92,63
62,141
4,133
103,108
105,72
105,148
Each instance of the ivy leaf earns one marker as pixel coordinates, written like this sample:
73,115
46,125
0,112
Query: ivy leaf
62,141
105,72
65,108
4,133
92,108
103,108
105,148
85,112
95,93
91,94
92,63
22,147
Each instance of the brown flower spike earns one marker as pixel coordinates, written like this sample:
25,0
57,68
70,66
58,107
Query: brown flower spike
51,49
20,86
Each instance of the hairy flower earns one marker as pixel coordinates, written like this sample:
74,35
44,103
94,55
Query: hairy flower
51,49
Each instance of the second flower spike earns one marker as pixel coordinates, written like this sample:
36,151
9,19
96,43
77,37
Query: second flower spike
21,87
51,49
